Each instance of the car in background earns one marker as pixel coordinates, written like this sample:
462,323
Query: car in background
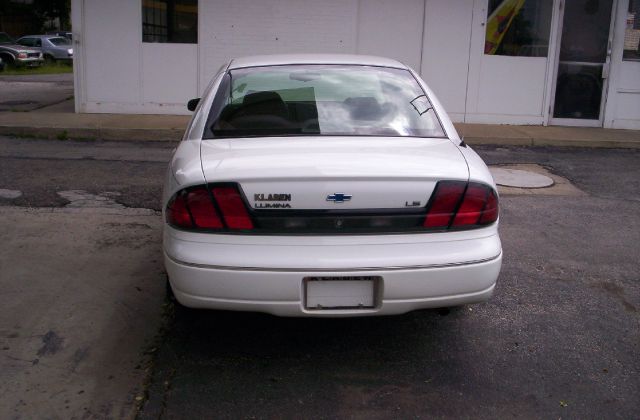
19,55
53,47
326,186
66,34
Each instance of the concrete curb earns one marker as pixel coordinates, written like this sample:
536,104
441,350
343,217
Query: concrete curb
511,135
112,134
507,141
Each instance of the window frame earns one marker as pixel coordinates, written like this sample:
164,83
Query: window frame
169,21
550,30
636,23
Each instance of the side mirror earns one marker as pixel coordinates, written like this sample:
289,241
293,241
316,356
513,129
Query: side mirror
192,104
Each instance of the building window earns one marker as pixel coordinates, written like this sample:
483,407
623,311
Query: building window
518,27
173,21
632,33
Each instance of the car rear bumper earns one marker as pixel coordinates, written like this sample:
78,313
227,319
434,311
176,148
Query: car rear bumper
279,289
282,293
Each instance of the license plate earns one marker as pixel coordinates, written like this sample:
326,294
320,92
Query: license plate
340,292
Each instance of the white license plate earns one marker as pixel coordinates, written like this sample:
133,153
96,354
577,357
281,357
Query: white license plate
340,292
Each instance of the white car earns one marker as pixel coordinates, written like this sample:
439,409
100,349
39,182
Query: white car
326,185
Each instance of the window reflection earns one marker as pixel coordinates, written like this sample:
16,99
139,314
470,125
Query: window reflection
518,27
324,100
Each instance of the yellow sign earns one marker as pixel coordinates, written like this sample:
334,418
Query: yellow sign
499,23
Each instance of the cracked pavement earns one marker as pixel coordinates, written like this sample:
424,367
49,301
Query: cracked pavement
85,330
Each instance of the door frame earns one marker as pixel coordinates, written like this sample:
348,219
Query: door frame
555,63
79,56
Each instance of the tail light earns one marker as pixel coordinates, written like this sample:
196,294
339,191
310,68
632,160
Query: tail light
232,206
209,208
456,204
453,205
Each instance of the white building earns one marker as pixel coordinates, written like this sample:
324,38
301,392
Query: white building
556,62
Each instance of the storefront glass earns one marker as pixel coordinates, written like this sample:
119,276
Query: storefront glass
518,27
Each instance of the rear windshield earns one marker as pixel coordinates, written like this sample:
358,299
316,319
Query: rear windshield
321,100
60,41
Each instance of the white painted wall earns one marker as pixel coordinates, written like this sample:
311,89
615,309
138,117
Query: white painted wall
169,74
445,58
391,29
627,113
235,28
115,72
622,109
111,52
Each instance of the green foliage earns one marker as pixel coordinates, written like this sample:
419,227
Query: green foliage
63,136
37,13
53,68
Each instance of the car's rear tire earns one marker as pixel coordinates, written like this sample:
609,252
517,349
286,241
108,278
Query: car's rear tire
49,59
6,59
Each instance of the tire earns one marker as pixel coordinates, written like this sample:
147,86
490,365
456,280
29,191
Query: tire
49,59
6,59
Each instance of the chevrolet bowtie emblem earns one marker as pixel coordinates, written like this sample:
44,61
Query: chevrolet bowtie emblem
339,197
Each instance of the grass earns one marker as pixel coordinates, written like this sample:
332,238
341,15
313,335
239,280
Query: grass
48,68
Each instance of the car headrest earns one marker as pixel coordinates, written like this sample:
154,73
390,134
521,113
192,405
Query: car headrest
264,103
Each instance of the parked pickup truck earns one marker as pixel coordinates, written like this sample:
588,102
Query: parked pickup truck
18,55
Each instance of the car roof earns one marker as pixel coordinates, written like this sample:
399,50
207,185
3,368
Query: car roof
285,59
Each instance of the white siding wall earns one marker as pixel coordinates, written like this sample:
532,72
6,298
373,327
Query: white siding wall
445,59
111,51
234,28
121,74
622,109
391,29
443,39
627,97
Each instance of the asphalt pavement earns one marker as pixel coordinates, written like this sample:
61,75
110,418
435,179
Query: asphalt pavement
80,222
20,93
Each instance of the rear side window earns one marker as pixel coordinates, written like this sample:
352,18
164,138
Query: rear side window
321,100
27,42
59,41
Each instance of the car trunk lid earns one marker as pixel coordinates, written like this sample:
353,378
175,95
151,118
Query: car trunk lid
333,173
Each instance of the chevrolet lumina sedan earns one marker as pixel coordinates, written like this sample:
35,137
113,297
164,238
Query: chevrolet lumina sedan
326,186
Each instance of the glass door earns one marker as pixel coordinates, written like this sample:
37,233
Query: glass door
583,63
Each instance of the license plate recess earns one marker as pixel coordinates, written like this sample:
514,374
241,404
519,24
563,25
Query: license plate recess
344,292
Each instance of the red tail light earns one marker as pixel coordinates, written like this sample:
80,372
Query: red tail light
456,204
177,212
232,206
195,208
444,204
490,212
204,213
